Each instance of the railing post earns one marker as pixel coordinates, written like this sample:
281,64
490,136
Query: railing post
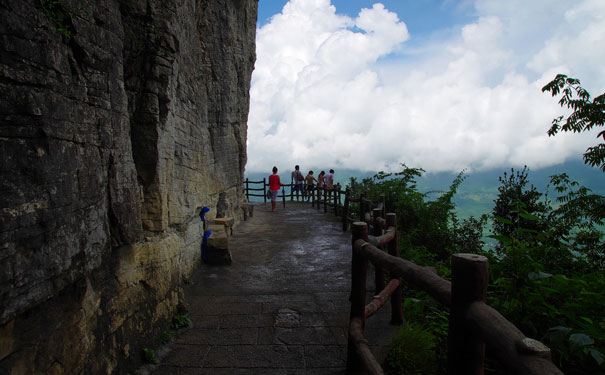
283,194
345,213
393,247
359,269
247,191
469,284
378,272
334,194
265,188
361,208
325,200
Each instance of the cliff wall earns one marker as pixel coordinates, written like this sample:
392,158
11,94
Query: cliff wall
120,120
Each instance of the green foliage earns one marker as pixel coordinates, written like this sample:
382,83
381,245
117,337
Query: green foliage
180,321
167,336
548,273
579,221
586,114
59,16
149,356
427,228
517,206
413,352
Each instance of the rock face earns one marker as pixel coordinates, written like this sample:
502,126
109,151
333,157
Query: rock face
120,119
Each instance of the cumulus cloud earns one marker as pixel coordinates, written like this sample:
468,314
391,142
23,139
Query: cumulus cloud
331,91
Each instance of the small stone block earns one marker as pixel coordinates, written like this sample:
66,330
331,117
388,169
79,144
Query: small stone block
218,239
227,222
248,210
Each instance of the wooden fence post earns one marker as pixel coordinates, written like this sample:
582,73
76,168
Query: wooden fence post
469,284
359,269
247,191
397,317
265,188
283,194
345,213
378,272
361,208
325,200
336,193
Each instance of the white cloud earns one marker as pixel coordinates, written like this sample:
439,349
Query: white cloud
332,91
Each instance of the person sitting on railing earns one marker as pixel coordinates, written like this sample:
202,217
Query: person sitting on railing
330,179
274,185
321,179
309,181
297,181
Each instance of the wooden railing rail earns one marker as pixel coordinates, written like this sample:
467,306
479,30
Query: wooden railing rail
333,199
473,324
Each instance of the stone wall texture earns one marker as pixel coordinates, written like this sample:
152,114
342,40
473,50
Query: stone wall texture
119,121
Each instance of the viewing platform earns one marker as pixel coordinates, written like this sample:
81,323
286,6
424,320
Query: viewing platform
281,307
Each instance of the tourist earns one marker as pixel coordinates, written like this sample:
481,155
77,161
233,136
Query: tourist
321,179
274,185
330,179
309,181
297,181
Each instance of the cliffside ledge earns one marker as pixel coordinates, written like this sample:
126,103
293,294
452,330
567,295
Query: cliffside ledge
120,120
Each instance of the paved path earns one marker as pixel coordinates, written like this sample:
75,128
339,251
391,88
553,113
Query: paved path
282,306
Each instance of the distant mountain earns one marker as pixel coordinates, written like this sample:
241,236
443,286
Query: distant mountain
477,193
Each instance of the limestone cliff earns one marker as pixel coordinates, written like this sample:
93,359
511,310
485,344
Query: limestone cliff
120,119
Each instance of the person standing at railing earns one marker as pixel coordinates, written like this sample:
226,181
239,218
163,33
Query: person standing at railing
274,185
310,182
330,179
297,181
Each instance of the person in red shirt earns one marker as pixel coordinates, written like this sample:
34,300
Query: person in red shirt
274,185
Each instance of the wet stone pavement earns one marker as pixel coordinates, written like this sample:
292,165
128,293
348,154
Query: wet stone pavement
282,306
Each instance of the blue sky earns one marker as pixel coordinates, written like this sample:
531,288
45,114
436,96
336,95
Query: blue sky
423,16
443,85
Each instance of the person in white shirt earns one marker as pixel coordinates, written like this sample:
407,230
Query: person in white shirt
297,181
330,179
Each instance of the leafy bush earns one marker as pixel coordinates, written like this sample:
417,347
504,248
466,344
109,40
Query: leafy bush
547,278
180,321
149,356
413,352
167,336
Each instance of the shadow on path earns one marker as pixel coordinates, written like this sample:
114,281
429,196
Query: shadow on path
282,306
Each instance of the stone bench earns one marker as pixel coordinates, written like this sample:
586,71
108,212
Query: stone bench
227,222
217,246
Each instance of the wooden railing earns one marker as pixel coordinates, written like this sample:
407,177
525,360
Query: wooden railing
472,325
334,200
264,188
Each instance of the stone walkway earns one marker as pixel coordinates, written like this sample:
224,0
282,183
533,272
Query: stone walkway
282,306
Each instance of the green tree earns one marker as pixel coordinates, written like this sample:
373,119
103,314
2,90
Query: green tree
586,114
516,205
